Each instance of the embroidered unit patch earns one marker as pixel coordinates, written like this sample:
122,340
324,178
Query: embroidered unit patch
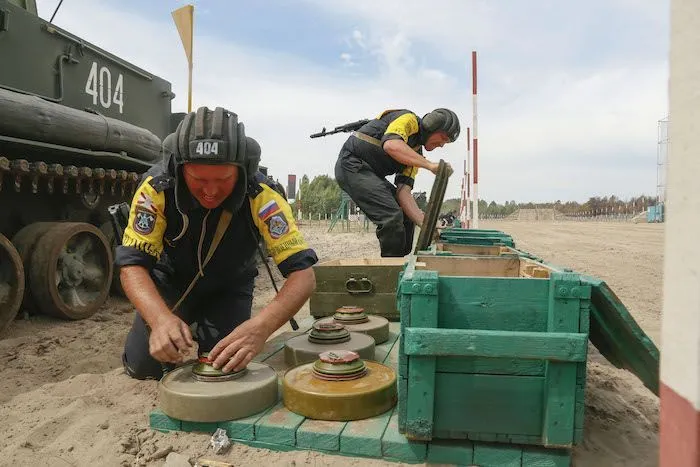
144,221
277,225
147,202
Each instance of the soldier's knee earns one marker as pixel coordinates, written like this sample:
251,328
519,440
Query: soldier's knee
392,238
141,368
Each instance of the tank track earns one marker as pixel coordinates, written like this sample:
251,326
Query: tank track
58,177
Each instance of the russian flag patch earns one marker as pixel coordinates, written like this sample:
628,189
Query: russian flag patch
268,209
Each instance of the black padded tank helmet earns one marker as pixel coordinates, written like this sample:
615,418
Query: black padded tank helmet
440,120
215,137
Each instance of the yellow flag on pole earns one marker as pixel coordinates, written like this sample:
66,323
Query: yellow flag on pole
184,21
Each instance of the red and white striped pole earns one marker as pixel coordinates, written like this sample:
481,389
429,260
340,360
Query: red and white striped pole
680,329
475,144
462,201
467,177
464,210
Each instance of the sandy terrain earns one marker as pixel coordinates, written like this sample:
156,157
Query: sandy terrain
64,399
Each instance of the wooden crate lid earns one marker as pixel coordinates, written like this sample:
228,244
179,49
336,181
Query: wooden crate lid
432,211
618,337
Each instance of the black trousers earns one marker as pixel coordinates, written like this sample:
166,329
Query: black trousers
376,197
215,316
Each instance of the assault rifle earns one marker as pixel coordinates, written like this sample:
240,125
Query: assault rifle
342,128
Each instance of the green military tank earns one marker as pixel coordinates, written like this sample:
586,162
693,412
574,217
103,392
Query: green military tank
78,126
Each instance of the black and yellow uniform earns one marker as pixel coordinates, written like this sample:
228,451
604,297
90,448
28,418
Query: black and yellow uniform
169,234
361,170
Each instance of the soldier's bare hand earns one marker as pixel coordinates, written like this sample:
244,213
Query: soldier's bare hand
235,351
170,339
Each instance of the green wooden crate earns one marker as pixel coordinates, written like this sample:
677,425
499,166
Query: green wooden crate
367,282
464,231
485,249
493,240
493,348
476,237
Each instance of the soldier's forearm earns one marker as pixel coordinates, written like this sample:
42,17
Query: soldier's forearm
143,293
402,153
408,204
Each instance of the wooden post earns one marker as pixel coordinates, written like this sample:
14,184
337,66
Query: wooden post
680,352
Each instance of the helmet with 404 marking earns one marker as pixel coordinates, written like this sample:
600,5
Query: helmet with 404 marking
215,137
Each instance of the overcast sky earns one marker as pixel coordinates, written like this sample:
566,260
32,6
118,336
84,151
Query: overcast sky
569,92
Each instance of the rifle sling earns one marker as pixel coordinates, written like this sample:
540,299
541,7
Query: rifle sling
371,140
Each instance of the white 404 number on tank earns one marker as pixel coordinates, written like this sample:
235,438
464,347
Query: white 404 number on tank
99,86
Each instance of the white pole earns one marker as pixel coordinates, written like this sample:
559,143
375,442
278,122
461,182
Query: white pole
680,328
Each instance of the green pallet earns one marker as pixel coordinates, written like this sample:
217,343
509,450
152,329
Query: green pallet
378,437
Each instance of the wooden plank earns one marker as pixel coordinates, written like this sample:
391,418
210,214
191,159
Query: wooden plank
319,435
278,426
546,458
619,338
404,301
490,366
199,427
396,446
363,437
580,409
485,250
244,428
490,455
504,304
557,346
159,421
470,266
450,452
559,393
497,404
421,369
270,446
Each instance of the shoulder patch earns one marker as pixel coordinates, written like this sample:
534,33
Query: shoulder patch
161,183
145,202
277,225
144,220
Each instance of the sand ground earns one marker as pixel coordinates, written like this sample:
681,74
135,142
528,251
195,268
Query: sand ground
64,399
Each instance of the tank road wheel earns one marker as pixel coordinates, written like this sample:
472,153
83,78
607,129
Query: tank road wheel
71,270
11,282
24,241
116,287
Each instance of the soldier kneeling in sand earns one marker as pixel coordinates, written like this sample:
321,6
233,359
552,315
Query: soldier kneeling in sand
188,250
